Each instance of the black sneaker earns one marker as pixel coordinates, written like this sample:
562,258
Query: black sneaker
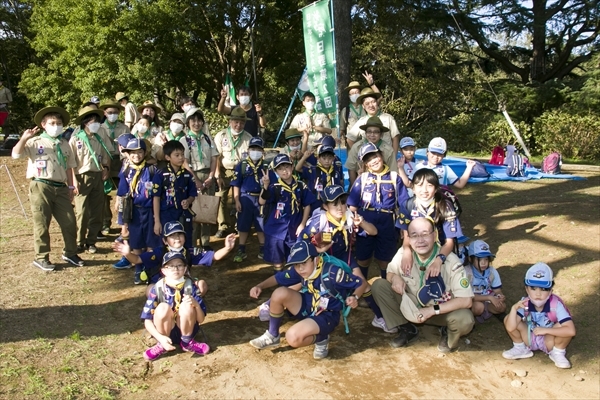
80,249
44,265
74,259
443,344
105,230
221,233
407,333
91,248
101,236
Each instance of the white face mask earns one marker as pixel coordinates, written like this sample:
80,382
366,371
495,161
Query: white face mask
244,100
234,132
310,105
293,148
255,155
141,128
54,130
538,303
354,97
177,249
94,127
175,127
112,117
186,107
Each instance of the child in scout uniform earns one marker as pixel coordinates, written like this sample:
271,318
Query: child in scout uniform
317,311
174,310
93,157
294,148
540,321
174,132
374,130
136,184
287,208
407,161
131,112
50,161
232,144
247,184
436,152
309,122
485,281
174,191
201,157
322,175
376,195
324,141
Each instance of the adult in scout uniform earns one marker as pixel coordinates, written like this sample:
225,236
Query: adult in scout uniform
49,166
253,111
354,111
369,100
114,129
312,124
232,144
444,302
131,112
152,110
374,130
93,168
201,157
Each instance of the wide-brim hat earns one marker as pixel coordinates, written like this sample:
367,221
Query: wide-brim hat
85,111
111,104
120,96
292,133
239,114
39,116
353,85
149,104
367,92
300,252
374,122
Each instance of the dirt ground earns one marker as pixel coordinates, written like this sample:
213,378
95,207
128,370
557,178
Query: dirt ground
76,332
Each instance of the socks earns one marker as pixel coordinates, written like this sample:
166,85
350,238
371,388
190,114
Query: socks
242,248
383,274
519,345
364,271
261,248
274,323
372,305
320,337
185,339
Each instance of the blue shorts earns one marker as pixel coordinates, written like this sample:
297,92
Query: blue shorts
175,214
250,214
141,229
327,320
384,245
175,333
276,250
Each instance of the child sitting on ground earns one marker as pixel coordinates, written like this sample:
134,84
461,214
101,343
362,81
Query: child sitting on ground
436,151
485,281
174,310
540,321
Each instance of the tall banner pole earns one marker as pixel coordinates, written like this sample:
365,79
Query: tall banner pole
298,91
337,103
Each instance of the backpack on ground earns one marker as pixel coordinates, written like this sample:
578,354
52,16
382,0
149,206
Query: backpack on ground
479,171
497,156
515,165
552,163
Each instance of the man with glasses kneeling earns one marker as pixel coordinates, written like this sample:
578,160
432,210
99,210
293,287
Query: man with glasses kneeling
443,301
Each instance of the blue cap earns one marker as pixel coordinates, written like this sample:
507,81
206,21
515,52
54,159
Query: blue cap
407,141
539,275
173,255
172,227
257,142
433,289
479,248
437,145
367,149
281,159
326,149
300,252
332,192
135,144
124,139
325,140
462,239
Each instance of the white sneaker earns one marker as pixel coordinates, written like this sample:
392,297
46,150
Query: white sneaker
517,352
266,340
321,349
264,312
559,358
380,323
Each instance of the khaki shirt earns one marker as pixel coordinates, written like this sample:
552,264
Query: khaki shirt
355,134
43,160
303,120
230,156
5,96
131,114
353,163
113,133
354,114
85,163
453,274
199,158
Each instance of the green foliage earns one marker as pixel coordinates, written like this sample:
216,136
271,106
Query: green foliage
574,136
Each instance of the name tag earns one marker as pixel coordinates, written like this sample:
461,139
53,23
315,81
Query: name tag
280,206
319,187
41,163
367,197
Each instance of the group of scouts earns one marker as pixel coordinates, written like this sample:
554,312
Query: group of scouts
319,237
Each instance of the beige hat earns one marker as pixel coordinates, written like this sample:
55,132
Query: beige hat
409,308
85,111
238,113
39,116
149,104
111,104
353,85
120,96
367,92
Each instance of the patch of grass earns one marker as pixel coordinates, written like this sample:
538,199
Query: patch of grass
75,336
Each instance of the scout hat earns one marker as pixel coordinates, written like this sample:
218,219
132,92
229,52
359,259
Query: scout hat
124,139
437,145
149,104
281,159
332,192
407,141
433,289
367,149
479,248
239,114
178,116
292,133
539,275
39,116
257,142
300,252
111,104
173,255
135,144
353,85
367,92
120,96
325,140
193,111
172,227
85,111
376,122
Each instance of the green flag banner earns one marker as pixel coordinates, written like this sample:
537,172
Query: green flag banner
320,57
230,91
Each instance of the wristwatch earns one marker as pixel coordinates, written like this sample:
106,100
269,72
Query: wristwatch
436,309
356,297
442,257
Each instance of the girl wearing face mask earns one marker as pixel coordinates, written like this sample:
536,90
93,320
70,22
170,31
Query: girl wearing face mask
152,111
311,123
354,111
174,132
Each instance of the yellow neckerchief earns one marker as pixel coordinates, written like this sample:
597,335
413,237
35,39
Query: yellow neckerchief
176,174
309,282
426,211
378,181
328,173
255,168
134,181
176,296
294,204
338,226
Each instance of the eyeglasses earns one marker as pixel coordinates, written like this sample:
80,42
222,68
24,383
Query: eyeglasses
174,267
417,236
373,131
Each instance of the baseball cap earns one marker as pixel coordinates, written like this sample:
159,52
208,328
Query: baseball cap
479,248
326,149
172,227
300,252
462,239
95,100
407,141
433,289
325,140
178,116
332,192
135,144
367,149
257,142
124,139
193,111
437,145
281,159
539,275
173,255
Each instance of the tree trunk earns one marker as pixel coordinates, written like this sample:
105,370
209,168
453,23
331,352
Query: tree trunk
538,58
343,46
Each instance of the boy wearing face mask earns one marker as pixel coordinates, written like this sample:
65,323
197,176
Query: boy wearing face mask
309,122
93,157
253,111
175,131
49,166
